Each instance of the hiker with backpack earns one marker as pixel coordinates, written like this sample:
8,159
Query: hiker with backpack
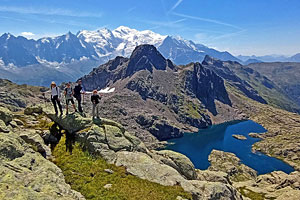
78,90
55,98
95,99
69,92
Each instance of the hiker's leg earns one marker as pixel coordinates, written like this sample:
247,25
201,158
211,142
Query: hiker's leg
73,104
97,106
67,106
60,107
54,104
79,103
93,111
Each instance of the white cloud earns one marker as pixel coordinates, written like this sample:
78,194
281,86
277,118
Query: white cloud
27,34
49,11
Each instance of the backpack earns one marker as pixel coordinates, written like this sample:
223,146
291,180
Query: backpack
69,92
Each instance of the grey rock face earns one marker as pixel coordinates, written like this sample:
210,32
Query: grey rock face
182,164
5,115
146,57
25,174
222,69
213,176
230,164
207,86
3,127
33,138
33,109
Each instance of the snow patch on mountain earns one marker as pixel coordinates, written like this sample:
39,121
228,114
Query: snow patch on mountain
120,41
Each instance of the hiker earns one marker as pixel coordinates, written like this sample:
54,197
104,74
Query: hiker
55,97
77,94
95,98
69,92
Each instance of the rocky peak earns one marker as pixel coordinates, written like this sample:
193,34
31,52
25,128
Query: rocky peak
145,57
208,87
6,36
208,60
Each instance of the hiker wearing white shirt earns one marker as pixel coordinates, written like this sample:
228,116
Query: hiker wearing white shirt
55,97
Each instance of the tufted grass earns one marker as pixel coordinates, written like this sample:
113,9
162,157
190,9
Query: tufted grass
86,174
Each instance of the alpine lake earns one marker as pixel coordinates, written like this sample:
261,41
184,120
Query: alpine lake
198,146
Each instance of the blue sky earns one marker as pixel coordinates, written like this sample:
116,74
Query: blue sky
239,26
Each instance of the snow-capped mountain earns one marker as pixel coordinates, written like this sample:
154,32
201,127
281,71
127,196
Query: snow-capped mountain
101,44
74,55
119,42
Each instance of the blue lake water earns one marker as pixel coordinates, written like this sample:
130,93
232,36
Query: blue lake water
198,146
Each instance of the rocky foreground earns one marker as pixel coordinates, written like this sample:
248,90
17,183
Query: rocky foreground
26,171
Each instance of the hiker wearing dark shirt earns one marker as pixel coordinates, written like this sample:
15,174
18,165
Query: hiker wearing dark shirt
69,92
95,98
55,97
77,94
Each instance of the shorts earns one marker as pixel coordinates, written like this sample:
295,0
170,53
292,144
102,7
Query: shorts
69,100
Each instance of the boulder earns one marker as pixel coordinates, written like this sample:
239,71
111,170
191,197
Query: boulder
19,122
116,140
212,176
32,138
13,124
33,110
3,127
211,190
274,185
72,122
182,163
25,174
230,164
5,115
280,179
143,166
107,139
11,147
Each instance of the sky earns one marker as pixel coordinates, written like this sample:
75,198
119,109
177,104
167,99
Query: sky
247,27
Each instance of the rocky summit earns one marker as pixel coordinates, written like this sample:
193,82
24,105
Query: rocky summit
155,96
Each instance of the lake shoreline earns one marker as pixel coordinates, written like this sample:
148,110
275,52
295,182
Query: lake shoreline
247,152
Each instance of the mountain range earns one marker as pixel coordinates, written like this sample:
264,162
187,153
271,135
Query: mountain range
154,95
72,56
269,58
